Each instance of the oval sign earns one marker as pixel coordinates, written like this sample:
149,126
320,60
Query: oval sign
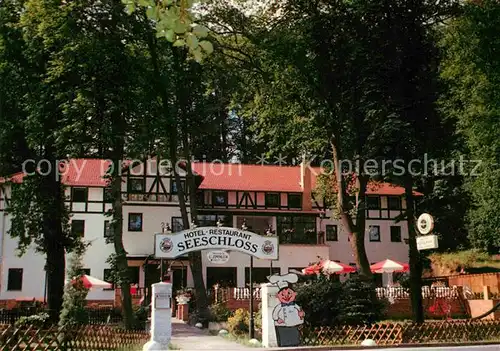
425,223
218,257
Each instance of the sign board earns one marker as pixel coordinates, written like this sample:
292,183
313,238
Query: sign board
427,242
162,300
218,257
216,238
425,223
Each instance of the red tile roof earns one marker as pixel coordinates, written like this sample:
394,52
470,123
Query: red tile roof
90,172
270,178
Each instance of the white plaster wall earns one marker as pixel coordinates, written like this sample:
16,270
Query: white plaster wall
142,243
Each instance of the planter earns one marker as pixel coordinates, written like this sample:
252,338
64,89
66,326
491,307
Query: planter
183,299
216,326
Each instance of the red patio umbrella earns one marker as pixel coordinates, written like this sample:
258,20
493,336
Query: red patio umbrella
389,267
92,282
328,267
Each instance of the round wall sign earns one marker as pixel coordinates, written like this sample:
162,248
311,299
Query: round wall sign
425,223
218,257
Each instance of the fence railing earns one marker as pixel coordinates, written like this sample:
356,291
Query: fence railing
403,333
398,293
85,338
97,315
427,292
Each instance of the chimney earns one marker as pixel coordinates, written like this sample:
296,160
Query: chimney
305,184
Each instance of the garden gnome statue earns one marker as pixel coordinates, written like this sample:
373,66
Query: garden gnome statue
287,315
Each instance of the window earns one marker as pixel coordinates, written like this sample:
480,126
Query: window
108,277
107,195
260,274
394,202
78,194
297,229
136,185
173,186
200,198
294,200
177,224
331,233
219,198
395,234
374,231
15,279
108,231
78,227
273,200
211,220
373,202
135,222
86,271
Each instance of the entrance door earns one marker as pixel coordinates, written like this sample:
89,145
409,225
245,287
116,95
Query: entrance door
179,278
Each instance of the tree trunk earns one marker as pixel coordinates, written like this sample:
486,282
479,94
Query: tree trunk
356,231
171,115
415,261
121,254
55,265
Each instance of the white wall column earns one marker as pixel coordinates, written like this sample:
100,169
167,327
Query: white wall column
161,318
269,301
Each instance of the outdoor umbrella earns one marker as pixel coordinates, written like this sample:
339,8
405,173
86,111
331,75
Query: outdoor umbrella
389,267
92,282
328,267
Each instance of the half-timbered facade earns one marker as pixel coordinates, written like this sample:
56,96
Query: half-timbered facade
270,200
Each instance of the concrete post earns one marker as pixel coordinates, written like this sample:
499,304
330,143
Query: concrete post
269,301
486,292
161,318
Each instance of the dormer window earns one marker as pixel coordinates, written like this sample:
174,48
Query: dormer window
273,200
136,185
394,202
373,202
79,194
219,198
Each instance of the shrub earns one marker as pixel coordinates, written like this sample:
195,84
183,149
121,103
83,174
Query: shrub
219,312
318,299
258,318
141,317
238,323
358,303
36,320
75,294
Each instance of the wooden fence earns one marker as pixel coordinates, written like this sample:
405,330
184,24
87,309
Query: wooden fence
403,333
84,338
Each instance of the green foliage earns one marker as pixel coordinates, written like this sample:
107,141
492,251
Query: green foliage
219,312
75,294
141,317
36,320
358,303
238,323
174,21
319,300
471,71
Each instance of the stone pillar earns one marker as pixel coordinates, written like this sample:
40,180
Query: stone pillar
269,301
161,318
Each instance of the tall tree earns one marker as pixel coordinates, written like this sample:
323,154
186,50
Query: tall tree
471,70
